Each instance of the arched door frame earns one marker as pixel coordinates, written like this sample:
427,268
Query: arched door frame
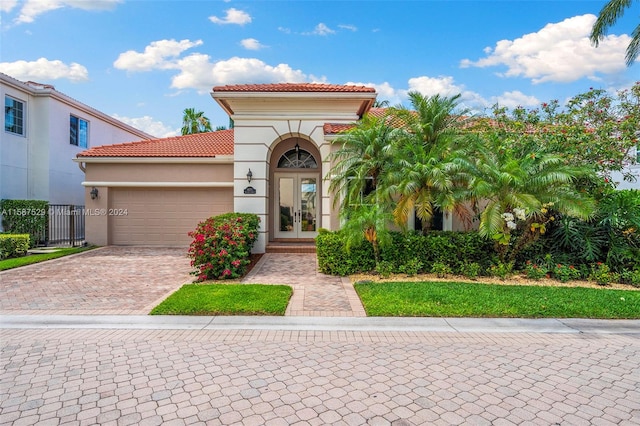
275,172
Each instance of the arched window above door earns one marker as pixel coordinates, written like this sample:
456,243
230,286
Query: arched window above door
297,159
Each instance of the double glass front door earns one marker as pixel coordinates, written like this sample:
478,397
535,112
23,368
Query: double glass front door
297,205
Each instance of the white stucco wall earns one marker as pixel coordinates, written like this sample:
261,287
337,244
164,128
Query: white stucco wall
254,139
39,165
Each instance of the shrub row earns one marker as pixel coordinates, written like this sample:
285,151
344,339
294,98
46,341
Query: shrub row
407,252
25,217
13,245
222,244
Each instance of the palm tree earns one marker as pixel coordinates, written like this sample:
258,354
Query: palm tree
380,104
608,16
195,122
370,223
521,190
424,176
366,153
358,170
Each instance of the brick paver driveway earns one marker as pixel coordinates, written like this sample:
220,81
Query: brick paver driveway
110,280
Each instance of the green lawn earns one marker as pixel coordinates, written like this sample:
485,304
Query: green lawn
452,299
35,258
226,299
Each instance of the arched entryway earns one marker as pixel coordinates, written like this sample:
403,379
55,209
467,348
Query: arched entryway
295,202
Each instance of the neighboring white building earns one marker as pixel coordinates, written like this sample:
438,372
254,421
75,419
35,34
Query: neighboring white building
631,169
43,132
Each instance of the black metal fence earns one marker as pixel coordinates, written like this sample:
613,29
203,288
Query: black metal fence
65,225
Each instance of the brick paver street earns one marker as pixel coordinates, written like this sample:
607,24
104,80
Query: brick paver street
305,369
252,377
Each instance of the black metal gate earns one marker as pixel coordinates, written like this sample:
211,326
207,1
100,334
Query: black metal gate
65,225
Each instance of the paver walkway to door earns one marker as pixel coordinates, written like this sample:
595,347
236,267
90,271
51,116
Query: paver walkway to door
314,293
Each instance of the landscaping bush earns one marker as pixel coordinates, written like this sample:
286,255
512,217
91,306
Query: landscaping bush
411,267
334,259
441,269
221,245
470,270
250,220
455,249
13,245
630,277
602,275
534,271
25,217
610,237
564,273
502,270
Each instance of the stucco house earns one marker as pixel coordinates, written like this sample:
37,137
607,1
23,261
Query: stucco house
271,163
44,130
274,162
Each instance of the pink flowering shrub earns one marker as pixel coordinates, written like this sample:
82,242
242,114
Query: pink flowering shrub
221,245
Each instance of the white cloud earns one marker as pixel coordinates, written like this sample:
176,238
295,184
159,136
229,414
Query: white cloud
7,5
446,86
515,99
384,90
157,55
198,72
234,16
43,70
559,52
320,29
348,27
251,44
430,86
33,8
149,125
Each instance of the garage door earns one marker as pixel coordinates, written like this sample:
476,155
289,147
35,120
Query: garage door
162,217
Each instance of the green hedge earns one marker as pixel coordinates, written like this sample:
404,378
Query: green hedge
333,258
13,245
455,249
25,217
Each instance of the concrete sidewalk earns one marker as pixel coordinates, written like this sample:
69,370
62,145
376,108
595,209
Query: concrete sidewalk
439,325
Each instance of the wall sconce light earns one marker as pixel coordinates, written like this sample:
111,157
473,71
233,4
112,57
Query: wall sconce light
94,193
249,175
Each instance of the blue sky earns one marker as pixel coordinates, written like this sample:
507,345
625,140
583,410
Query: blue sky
144,62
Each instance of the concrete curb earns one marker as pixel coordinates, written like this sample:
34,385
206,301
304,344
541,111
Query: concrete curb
452,325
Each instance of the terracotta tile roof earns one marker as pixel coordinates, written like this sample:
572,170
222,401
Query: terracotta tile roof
378,112
293,87
210,144
335,128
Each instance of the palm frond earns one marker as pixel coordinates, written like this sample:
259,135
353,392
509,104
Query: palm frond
607,17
